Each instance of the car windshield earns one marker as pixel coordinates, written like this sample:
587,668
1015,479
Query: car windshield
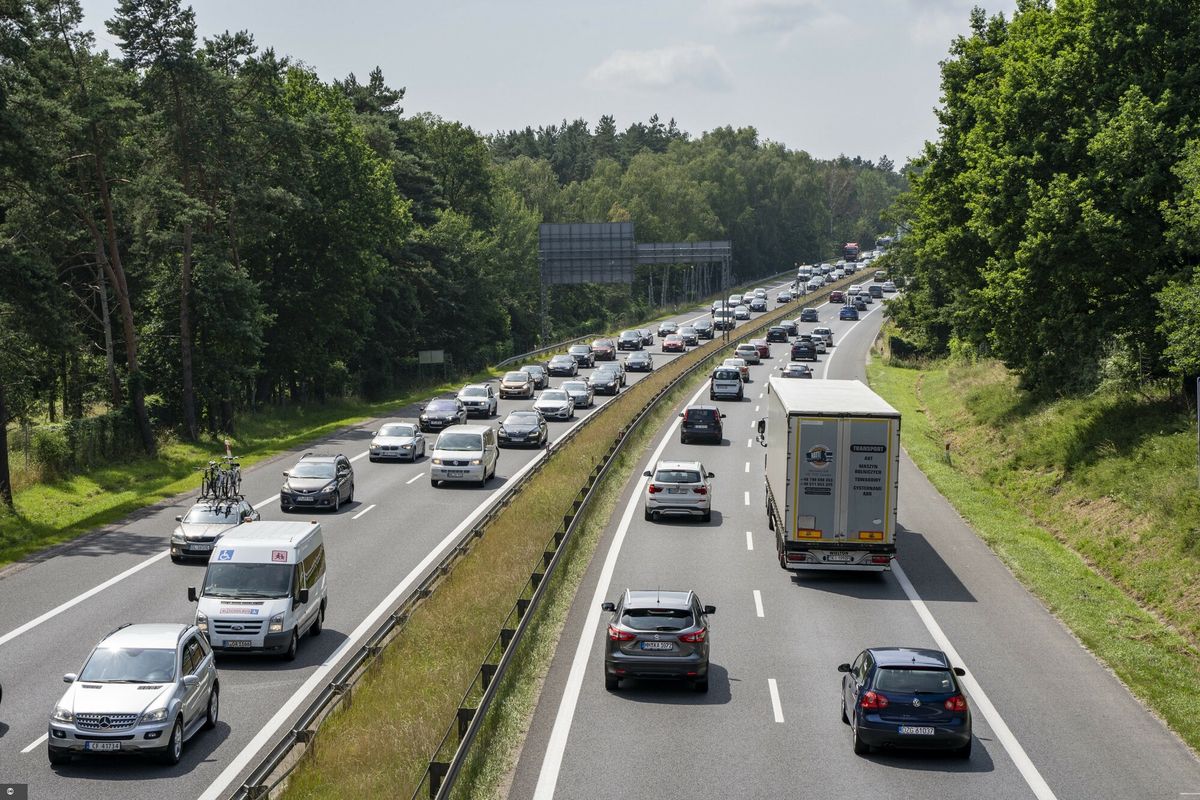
687,330
473,391
312,469
129,665
555,396
746,348
677,476
212,515
630,335
459,441
914,681
601,343
229,579
561,360
397,430
574,386
441,406
521,418
657,619
515,377
643,356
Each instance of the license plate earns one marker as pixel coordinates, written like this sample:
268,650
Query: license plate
456,473
916,729
658,646
305,499
676,491
200,548
101,745
839,558
237,642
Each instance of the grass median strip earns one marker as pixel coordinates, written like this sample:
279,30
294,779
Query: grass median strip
379,745
1065,534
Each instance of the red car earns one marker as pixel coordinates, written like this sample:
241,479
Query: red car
604,350
764,349
673,343
837,297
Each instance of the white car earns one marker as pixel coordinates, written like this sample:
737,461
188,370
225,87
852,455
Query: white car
401,440
479,398
555,404
824,332
748,353
854,289
679,488
889,287
819,343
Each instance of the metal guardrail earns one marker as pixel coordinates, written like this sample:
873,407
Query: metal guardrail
281,760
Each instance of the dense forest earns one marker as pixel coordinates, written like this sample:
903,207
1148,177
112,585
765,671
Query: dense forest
192,228
1053,224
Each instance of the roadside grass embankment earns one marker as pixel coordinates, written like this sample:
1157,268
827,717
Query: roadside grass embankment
379,744
1091,502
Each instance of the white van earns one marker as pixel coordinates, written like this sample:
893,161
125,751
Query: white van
264,588
725,382
464,453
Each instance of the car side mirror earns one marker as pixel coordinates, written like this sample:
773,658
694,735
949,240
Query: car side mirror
285,473
762,427
681,413
843,667
710,475
608,606
959,671
178,518
190,680
302,596
70,677
646,474
710,609
192,598
722,416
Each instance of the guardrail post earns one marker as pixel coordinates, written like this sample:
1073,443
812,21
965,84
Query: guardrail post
506,636
437,772
522,607
465,715
487,671
535,578
257,792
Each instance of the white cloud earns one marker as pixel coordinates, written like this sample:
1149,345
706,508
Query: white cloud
693,65
782,17
938,27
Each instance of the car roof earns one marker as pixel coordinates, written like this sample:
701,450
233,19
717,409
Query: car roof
658,598
146,634
475,386
909,657
310,457
678,465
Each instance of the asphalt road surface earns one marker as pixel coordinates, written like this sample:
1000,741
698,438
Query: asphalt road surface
1049,720
379,546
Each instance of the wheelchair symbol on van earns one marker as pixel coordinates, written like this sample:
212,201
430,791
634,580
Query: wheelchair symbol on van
224,555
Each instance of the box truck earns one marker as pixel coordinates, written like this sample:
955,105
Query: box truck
832,473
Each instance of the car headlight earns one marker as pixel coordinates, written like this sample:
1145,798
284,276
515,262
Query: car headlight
276,625
328,489
62,715
177,536
475,462
374,446
157,715
202,622
436,460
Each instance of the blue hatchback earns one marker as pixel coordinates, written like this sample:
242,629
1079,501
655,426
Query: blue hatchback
905,697
848,312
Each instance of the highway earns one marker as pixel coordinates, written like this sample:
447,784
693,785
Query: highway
53,611
1049,720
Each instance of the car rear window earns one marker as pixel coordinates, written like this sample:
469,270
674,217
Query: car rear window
727,375
701,413
933,681
677,476
657,619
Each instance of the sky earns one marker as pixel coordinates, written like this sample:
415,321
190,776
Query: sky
858,77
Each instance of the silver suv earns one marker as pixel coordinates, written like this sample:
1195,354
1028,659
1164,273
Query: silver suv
657,634
679,488
145,688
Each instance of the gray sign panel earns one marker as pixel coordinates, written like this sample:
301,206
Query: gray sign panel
587,252
431,356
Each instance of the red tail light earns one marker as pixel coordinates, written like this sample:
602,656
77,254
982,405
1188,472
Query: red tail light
700,490
685,413
873,701
617,635
695,638
956,703
652,488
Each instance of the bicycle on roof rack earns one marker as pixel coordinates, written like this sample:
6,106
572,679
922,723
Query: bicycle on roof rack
222,481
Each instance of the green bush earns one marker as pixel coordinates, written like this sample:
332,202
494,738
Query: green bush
52,450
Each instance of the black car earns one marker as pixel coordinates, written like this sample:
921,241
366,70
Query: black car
789,325
320,481
860,305
647,336
541,378
690,336
669,326
583,355
563,365
442,412
777,333
701,422
657,634
810,315
792,370
629,340
704,328
640,361
525,428
905,697
803,351
605,381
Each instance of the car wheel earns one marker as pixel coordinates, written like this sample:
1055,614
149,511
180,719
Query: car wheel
350,497
612,683
57,757
284,508
214,708
649,515
845,719
293,646
337,501
706,516
174,750
861,748
434,483
701,686
964,752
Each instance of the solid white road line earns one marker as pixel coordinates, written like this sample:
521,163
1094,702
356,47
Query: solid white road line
1017,753
363,454
776,706
758,603
556,747
829,358
365,510
267,501
747,498
74,601
749,540
35,743
415,478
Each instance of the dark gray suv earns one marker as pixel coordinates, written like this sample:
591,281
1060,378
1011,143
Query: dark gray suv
657,634
318,481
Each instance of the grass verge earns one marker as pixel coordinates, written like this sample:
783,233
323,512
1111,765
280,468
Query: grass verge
1048,487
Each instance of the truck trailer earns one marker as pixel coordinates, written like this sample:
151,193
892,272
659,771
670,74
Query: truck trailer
832,474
